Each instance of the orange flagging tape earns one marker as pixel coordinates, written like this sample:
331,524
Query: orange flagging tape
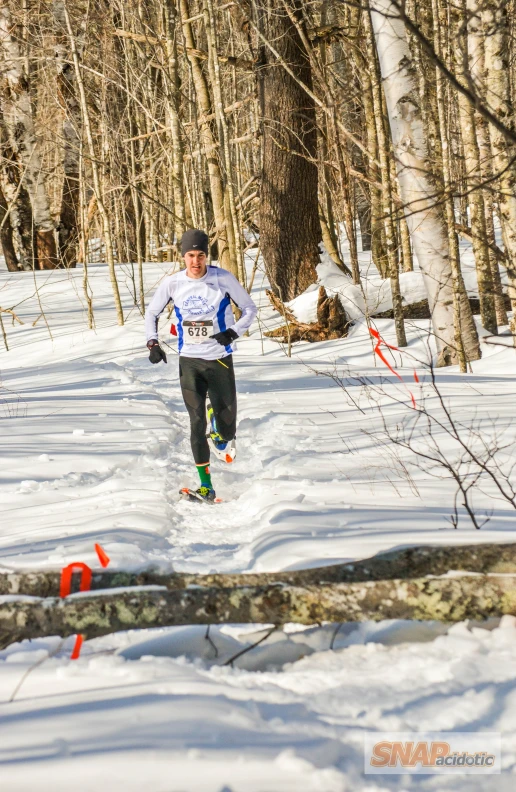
103,556
65,587
76,651
66,578
382,357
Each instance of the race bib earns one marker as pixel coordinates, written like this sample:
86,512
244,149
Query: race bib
197,332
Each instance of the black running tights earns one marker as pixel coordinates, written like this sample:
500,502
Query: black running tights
215,379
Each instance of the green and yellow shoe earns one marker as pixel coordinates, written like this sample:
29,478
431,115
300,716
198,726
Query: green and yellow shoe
205,494
224,449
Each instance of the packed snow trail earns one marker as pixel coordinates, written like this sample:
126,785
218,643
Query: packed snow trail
96,447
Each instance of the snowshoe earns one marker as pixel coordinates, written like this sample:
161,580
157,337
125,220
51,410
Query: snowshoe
223,449
203,494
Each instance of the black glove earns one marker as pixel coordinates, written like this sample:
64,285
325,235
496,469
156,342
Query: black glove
225,337
156,352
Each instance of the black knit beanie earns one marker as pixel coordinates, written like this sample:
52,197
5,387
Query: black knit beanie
193,239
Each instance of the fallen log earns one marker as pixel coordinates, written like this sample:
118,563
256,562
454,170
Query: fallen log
410,562
421,310
410,584
449,599
332,321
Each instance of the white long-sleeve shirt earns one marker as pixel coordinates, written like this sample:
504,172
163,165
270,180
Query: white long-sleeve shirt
201,299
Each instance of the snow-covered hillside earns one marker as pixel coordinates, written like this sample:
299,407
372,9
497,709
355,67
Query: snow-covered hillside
94,448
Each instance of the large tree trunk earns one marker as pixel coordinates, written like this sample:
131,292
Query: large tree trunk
17,113
407,584
424,215
289,216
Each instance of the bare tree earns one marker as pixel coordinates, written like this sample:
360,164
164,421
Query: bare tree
68,233
19,123
496,23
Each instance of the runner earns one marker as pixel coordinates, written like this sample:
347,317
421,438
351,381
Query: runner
206,330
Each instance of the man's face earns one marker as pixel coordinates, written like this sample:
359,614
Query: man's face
195,261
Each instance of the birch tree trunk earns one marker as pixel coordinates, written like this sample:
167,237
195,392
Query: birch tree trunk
384,156
406,584
444,599
68,235
496,28
17,116
424,216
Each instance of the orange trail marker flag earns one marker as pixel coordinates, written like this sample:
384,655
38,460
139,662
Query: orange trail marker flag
76,651
66,578
103,557
382,357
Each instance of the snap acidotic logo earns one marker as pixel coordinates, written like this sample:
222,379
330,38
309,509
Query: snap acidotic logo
429,754
391,753
197,306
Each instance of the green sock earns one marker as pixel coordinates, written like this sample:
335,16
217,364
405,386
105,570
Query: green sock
204,475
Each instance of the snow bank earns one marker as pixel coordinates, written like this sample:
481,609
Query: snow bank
280,722
375,292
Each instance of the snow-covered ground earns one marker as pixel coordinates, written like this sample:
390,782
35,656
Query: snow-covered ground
95,447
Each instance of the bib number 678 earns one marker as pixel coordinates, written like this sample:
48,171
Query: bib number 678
198,332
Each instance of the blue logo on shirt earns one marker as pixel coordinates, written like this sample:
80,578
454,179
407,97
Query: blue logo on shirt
197,306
